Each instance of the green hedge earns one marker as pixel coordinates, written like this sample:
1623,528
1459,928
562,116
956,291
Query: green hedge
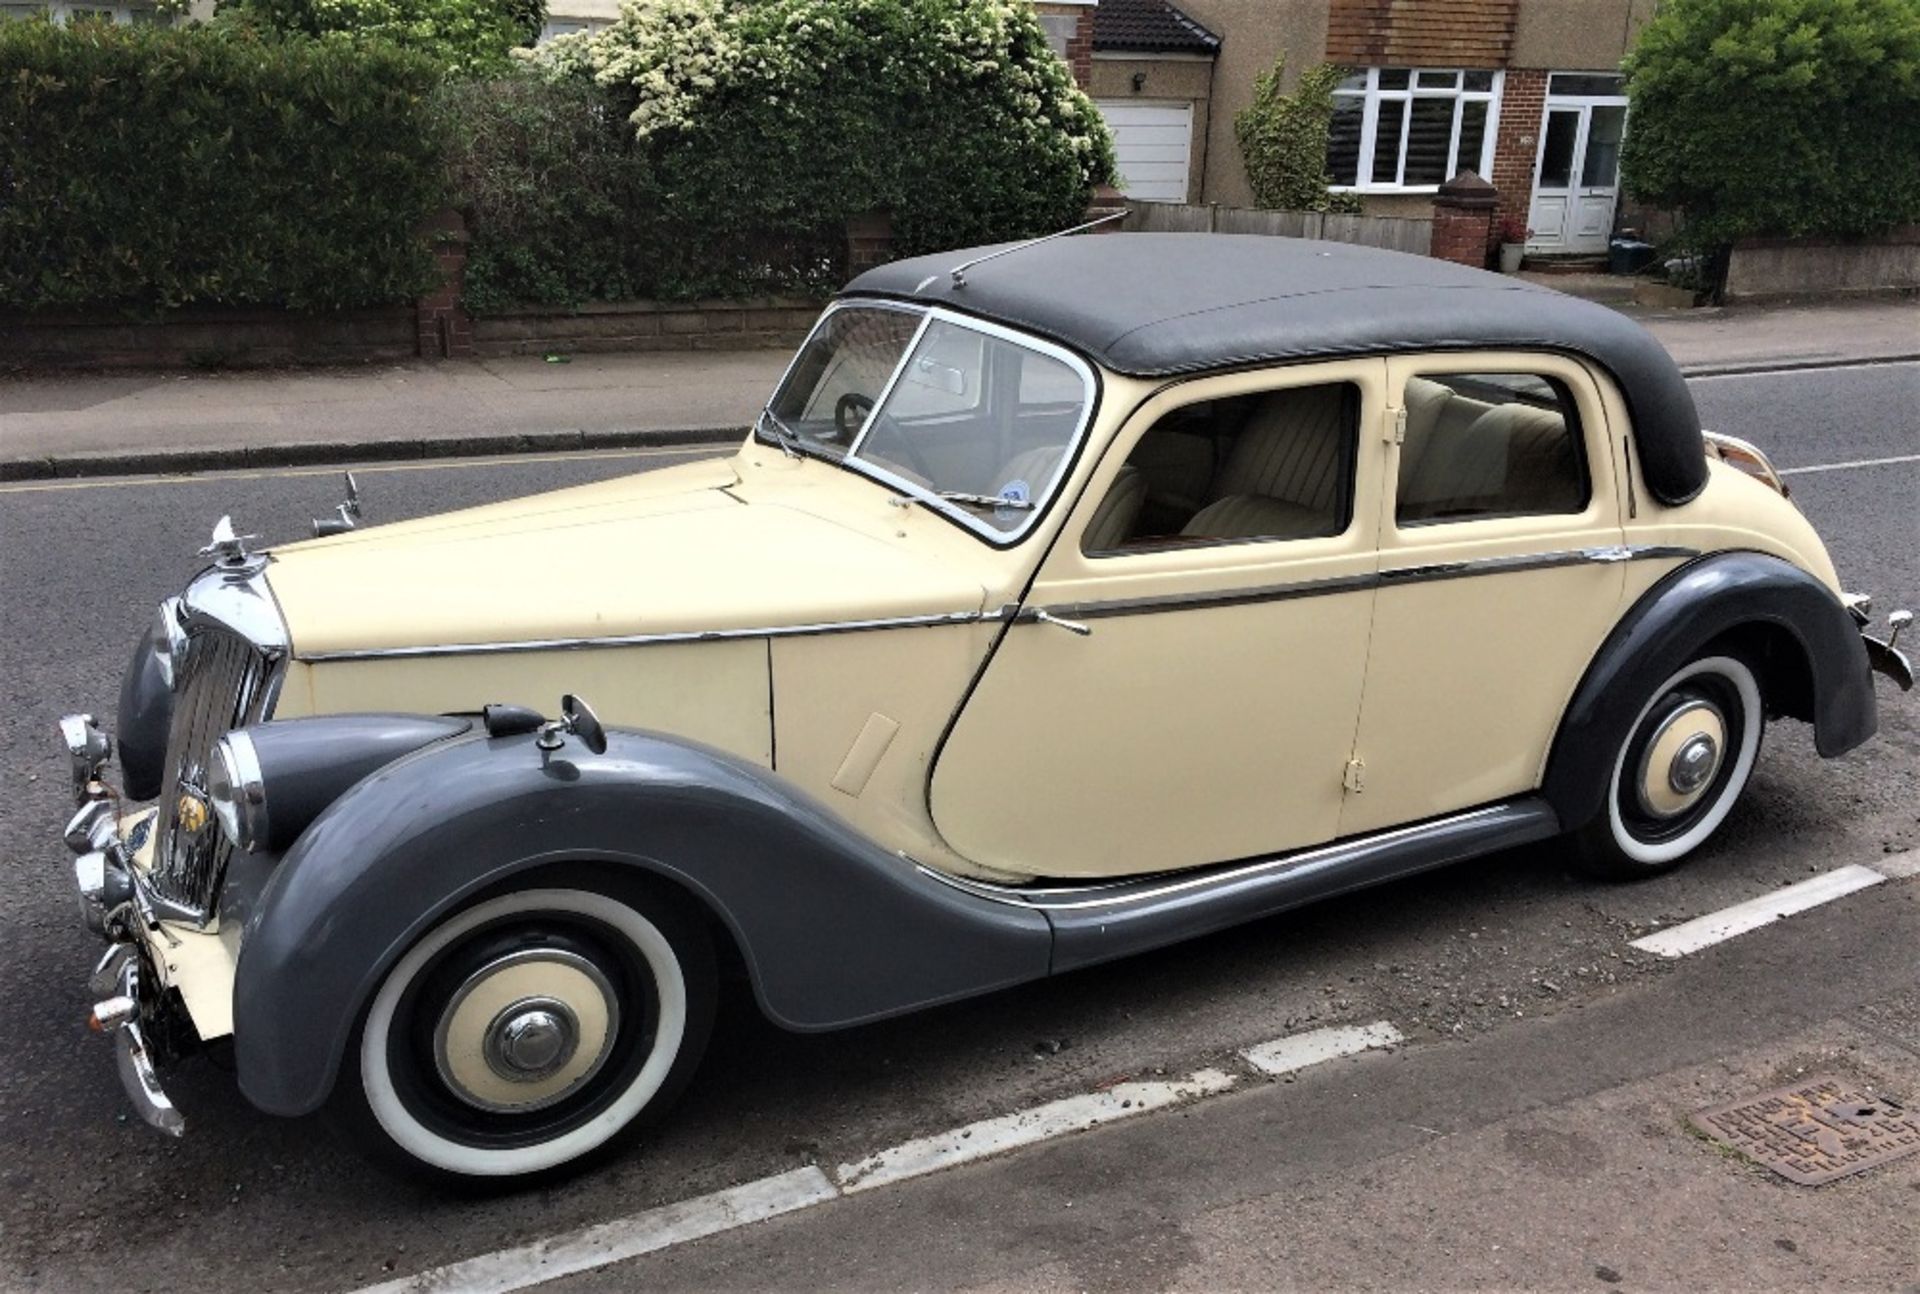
559,203
153,167
1777,117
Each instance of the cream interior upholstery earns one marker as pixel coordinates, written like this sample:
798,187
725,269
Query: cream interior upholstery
1463,457
1286,472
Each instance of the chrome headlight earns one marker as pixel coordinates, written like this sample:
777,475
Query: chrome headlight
237,791
170,639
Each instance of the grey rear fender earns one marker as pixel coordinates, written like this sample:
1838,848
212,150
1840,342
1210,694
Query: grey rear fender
1808,650
833,929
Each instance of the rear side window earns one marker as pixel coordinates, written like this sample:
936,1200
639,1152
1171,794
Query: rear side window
1482,445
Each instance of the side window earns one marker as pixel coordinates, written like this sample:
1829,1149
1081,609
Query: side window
1481,445
1270,465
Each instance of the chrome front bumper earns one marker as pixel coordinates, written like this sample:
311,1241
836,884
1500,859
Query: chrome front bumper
1883,657
126,1001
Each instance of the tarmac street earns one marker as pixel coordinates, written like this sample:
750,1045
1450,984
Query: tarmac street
1504,1102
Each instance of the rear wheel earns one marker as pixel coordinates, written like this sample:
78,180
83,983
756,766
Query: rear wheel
1684,762
534,1029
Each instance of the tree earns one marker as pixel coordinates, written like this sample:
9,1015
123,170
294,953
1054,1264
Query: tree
1777,117
1283,141
468,38
768,123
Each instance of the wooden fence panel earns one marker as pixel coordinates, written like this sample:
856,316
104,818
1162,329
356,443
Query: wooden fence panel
1398,233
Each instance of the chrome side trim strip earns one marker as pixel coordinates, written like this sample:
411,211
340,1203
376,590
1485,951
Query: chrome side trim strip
1392,577
1130,890
684,636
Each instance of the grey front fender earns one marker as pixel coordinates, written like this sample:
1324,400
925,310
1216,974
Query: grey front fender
834,929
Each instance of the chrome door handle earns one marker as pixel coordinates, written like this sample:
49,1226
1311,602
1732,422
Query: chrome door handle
1071,626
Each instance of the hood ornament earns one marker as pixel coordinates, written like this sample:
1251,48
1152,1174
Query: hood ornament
346,516
226,548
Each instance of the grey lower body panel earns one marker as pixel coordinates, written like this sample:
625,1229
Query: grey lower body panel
1099,922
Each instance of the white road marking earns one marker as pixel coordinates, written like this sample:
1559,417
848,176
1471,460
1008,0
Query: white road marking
1285,1055
611,1242
1041,1123
508,1270
1703,932
1850,464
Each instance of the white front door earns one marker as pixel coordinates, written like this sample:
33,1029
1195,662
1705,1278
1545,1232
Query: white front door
1151,144
1576,182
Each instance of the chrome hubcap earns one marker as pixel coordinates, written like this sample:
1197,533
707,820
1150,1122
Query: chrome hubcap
1681,759
526,1030
531,1039
1693,765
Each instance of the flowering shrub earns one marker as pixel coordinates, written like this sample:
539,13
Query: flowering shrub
765,124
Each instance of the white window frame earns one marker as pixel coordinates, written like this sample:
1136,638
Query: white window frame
1401,101
65,11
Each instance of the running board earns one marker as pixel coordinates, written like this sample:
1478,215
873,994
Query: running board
1103,920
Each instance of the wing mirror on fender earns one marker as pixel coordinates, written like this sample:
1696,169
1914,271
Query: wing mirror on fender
576,719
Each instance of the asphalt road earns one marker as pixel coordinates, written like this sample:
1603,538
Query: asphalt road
92,1200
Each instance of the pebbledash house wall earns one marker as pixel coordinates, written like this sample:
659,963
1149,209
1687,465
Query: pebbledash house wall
1525,39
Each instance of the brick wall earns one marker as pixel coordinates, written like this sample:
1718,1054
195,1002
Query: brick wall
1462,220
1523,100
1080,44
647,325
440,319
1420,33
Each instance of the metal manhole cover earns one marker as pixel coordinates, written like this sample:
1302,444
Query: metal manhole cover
1815,1131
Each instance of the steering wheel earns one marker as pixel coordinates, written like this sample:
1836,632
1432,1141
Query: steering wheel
850,413
844,421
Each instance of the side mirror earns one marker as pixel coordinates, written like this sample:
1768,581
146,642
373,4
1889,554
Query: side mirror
583,723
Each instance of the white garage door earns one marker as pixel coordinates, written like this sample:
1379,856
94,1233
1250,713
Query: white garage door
1151,141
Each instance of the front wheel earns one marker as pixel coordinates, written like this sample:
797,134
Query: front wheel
1685,760
533,1029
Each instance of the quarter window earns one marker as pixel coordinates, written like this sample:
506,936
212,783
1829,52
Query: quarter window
1397,128
1270,465
1483,445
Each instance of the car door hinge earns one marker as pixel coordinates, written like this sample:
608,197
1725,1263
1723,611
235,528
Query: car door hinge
1356,776
1396,426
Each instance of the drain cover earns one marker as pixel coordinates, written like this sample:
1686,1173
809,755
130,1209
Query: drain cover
1815,1131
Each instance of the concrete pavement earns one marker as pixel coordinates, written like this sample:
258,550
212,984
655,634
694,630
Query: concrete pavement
67,425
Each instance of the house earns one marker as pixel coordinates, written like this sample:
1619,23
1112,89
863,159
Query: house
1526,93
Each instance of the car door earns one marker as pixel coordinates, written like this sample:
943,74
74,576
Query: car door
1500,576
1183,680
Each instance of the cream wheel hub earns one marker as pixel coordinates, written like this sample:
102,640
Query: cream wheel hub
525,1030
1682,759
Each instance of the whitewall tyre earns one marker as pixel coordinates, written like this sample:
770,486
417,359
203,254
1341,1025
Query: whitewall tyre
1685,760
530,1031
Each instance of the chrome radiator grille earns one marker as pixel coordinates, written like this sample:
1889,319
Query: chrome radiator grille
223,685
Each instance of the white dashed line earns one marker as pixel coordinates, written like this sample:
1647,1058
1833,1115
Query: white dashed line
1285,1055
1715,927
507,1270
611,1242
1041,1123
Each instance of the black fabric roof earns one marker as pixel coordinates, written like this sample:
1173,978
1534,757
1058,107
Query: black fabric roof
1149,27
1154,305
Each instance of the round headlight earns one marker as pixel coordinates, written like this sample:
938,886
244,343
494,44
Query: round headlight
169,639
237,791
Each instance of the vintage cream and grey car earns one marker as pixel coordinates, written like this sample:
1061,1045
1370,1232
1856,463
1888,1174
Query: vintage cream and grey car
1067,600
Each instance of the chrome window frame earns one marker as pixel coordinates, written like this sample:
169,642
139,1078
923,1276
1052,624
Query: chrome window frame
1043,499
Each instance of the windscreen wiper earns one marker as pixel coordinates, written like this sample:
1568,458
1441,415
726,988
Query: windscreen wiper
784,436
986,500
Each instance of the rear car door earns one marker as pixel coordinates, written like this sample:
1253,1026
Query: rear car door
1500,576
